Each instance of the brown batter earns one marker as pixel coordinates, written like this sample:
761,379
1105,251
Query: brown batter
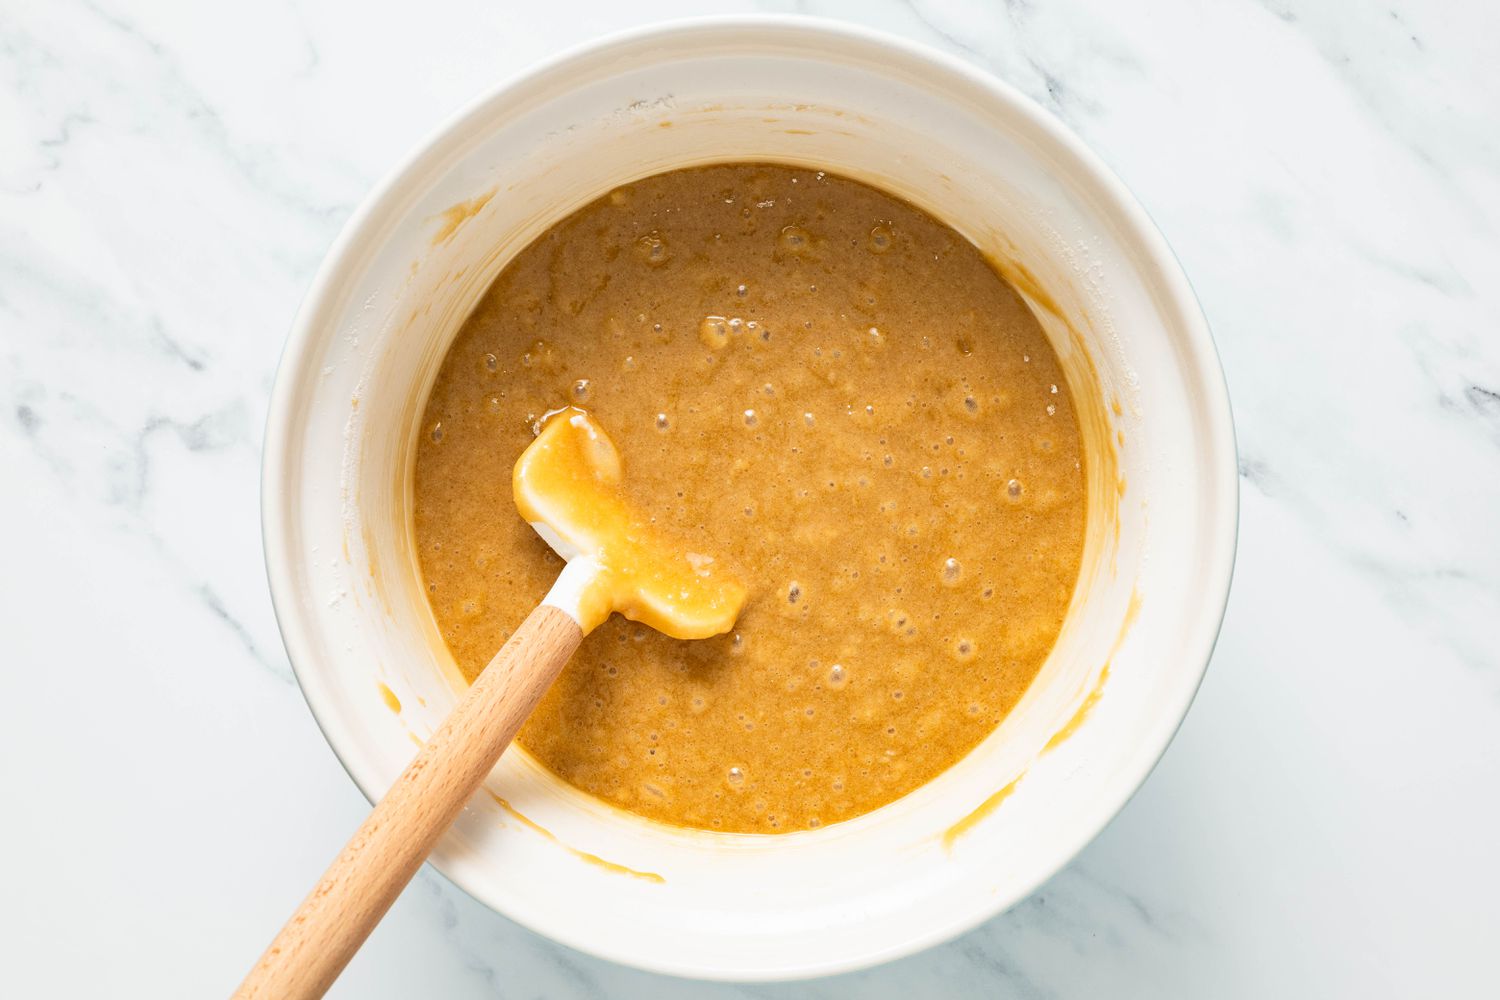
833,393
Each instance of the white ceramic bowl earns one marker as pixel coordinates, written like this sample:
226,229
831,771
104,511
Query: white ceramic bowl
973,152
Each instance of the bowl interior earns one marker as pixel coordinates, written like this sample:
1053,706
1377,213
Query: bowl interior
1161,491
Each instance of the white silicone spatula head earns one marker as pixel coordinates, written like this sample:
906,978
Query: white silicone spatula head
568,485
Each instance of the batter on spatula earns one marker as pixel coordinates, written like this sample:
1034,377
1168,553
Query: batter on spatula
567,484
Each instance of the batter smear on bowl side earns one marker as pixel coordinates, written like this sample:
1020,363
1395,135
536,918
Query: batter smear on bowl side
828,390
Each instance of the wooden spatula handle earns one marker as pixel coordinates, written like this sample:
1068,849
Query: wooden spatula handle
386,851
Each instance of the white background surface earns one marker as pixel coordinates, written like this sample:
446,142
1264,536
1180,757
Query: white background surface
1326,823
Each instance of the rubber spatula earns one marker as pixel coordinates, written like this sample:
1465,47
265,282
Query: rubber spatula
567,484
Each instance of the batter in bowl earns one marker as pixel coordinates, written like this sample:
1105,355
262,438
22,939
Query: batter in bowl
821,385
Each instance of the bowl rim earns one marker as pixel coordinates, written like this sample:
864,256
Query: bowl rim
320,301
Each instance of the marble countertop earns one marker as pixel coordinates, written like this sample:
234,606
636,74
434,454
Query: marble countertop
1326,822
